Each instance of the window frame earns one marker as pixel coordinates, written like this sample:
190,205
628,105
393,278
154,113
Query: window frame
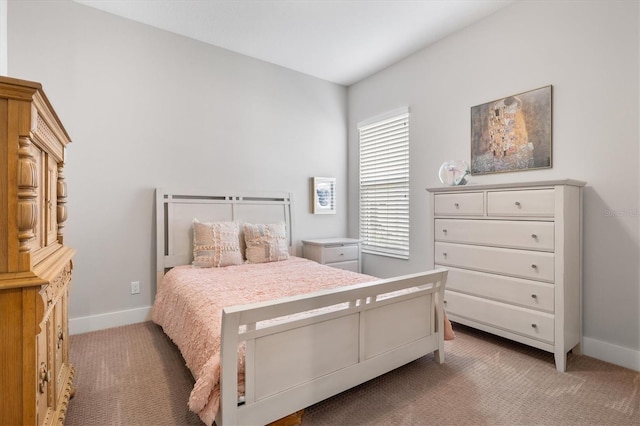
384,184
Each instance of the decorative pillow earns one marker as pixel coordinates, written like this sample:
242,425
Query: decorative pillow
216,244
266,243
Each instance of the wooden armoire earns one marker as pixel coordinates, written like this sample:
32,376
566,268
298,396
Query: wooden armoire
35,264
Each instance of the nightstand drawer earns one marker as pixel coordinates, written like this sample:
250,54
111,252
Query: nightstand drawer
469,204
536,202
341,253
533,265
501,233
351,265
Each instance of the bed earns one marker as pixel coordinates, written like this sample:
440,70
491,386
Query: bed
266,339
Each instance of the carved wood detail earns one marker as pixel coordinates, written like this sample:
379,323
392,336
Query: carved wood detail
51,356
27,194
67,394
43,133
62,202
56,285
47,419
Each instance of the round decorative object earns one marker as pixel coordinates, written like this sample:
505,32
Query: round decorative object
454,172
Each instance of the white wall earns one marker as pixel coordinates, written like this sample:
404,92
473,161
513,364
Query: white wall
146,109
3,37
589,52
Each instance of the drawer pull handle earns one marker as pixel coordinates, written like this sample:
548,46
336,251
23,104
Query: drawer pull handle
45,376
457,205
444,254
534,266
534,296
518,203
444,231
534,236
534,325
60,336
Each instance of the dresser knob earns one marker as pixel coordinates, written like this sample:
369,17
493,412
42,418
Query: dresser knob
534,325
444,231
518,203
534,296
534,266
457,205
534,236
444,254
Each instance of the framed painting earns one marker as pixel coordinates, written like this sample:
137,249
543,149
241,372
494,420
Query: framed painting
512,134
324,195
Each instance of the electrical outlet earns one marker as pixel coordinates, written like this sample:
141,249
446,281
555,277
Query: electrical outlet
135,287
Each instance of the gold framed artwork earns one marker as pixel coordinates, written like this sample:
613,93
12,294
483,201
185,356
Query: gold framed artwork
324,195
512,134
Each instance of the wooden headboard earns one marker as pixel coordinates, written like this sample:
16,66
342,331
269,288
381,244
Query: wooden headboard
175,211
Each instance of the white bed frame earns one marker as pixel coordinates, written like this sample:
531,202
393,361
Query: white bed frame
293,364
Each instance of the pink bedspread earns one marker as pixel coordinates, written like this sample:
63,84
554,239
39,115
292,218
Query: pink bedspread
189,303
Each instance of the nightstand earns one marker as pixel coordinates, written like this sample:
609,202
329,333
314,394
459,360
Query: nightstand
342,253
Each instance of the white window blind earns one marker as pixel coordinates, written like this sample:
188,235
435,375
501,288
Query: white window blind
384,186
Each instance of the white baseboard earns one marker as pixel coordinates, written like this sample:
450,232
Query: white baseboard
108,320
614,354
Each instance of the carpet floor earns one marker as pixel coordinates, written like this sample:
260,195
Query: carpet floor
134,375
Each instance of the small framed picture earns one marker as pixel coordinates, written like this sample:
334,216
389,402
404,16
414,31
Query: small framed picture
324,195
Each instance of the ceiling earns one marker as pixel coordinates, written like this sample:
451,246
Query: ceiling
342,41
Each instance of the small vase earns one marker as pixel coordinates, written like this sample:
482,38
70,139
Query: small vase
454,172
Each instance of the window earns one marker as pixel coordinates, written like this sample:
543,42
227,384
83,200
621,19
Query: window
384,184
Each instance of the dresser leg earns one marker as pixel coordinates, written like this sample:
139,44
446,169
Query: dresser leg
561,361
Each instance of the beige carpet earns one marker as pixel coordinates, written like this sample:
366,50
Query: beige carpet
134,375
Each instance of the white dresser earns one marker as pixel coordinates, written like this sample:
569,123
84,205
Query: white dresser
342,253
514,257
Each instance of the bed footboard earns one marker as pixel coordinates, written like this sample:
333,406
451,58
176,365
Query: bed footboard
304,349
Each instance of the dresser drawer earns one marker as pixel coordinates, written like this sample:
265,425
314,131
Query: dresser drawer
518,263
470,204
523,321
527,293
503,233
536,202
340,253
